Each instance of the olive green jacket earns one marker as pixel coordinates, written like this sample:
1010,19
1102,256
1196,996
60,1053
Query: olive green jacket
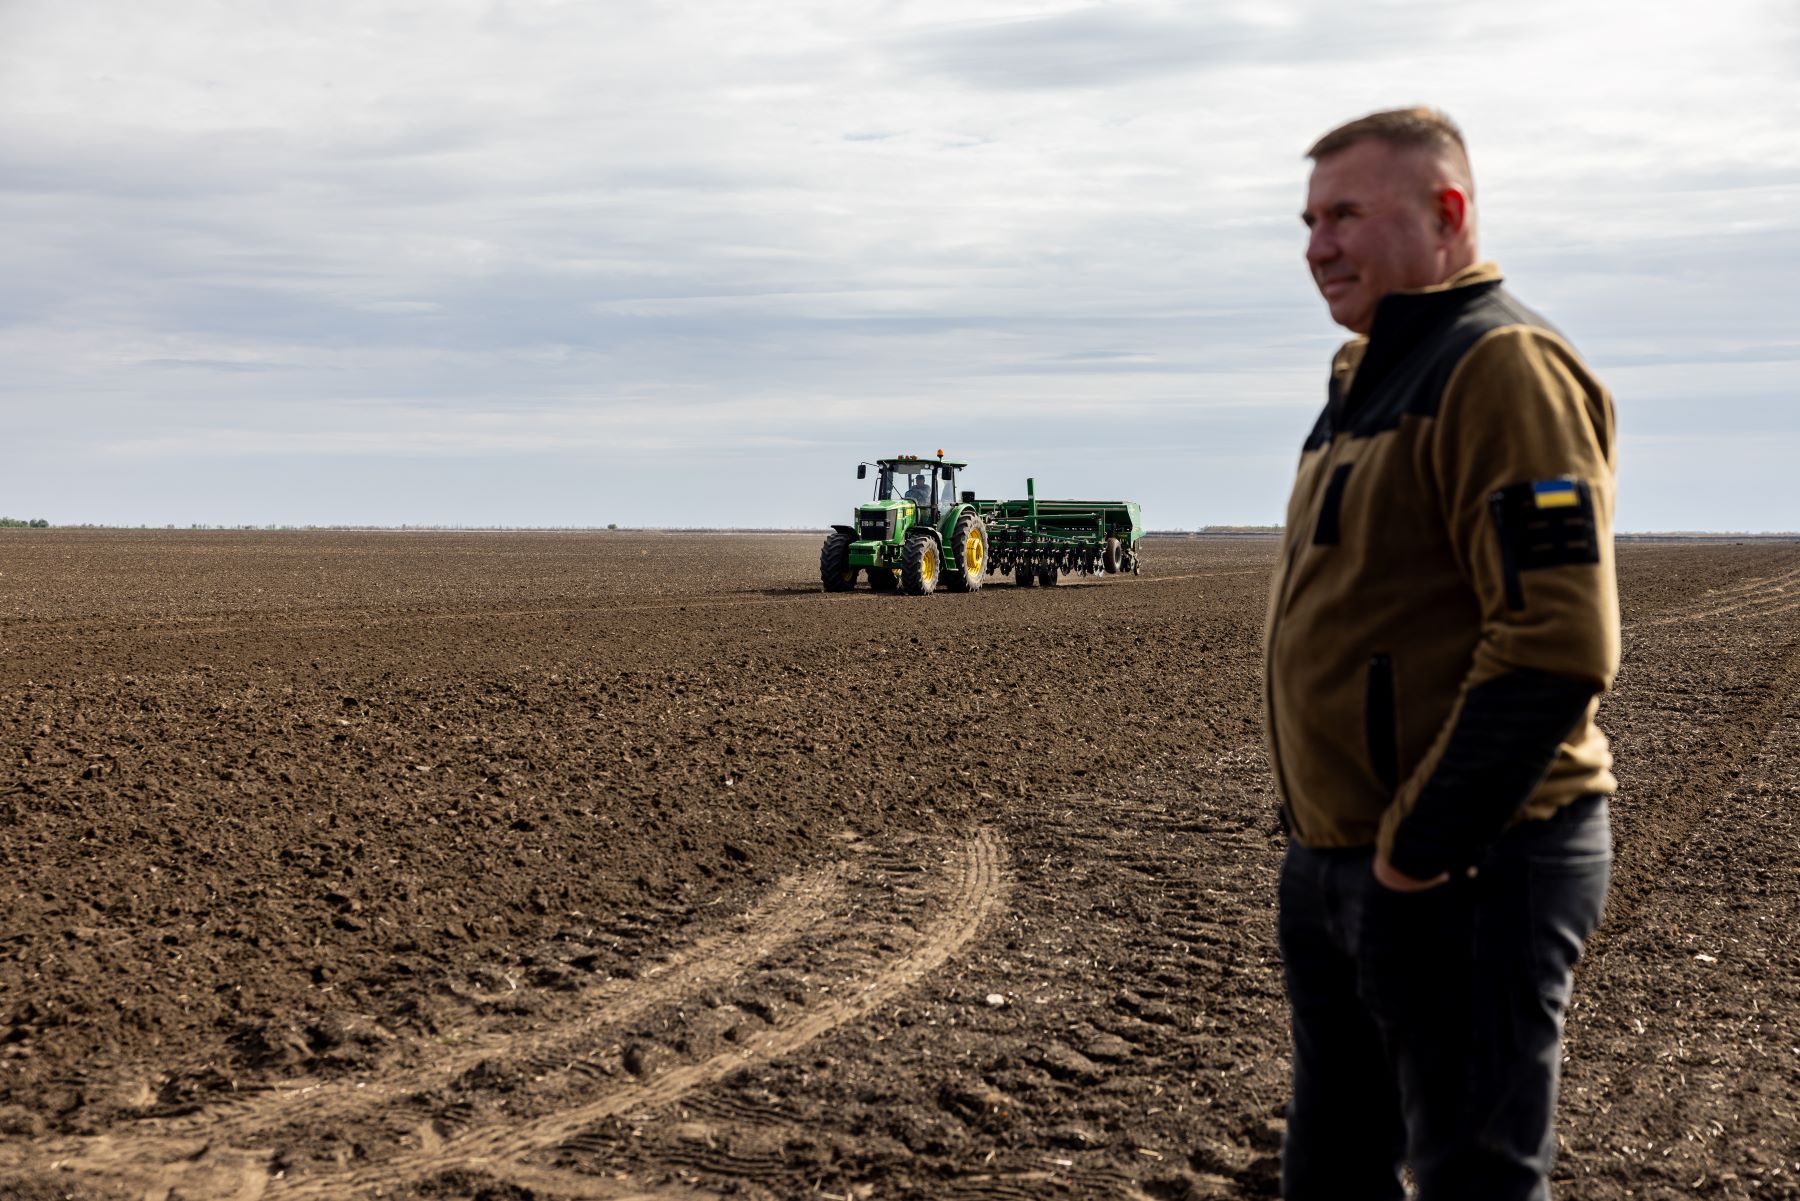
1451,526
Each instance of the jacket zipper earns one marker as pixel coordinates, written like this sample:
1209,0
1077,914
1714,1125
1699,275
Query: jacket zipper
1296,542
1288,824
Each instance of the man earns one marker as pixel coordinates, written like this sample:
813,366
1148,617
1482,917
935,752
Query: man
918,491
1441,624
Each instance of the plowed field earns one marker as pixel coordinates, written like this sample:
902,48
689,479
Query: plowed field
626,865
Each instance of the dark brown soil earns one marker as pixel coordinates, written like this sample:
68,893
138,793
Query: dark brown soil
626,865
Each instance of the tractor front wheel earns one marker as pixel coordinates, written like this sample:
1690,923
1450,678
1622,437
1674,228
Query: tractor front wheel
835,571
920,565
969,552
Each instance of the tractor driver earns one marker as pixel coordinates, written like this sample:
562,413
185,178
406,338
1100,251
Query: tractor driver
918,491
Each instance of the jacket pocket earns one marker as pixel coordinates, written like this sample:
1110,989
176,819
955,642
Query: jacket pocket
1380,723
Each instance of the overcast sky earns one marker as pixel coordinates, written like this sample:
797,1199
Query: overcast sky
685,263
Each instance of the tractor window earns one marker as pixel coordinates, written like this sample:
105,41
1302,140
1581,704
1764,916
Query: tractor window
949,490
894,484
906,481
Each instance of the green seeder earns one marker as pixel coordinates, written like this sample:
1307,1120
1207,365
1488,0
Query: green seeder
919,531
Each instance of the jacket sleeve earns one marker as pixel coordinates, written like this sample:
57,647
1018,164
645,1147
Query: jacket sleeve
1522,454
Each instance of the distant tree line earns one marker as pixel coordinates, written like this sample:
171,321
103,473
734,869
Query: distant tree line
19,523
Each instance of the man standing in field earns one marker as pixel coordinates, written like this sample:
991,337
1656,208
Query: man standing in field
1441,624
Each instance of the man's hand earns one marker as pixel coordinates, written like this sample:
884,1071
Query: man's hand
1391,877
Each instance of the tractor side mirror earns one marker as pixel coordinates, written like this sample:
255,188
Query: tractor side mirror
968,498
862,471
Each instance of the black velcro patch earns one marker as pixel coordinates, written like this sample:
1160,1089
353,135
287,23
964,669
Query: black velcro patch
1543,523
1325,533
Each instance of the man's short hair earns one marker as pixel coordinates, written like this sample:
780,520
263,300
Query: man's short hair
1417,128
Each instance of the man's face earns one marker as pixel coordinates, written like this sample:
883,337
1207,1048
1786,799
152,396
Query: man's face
1375,228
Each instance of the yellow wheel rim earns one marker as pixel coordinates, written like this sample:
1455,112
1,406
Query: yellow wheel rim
975,552
928,565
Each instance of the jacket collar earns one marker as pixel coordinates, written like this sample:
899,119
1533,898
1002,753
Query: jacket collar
1405,319
1399,312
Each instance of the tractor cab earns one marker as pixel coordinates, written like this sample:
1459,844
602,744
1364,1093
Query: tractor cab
928,484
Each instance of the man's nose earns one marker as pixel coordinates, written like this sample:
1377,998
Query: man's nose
1321,247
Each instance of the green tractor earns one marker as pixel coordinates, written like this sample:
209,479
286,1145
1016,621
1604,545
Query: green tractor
917,532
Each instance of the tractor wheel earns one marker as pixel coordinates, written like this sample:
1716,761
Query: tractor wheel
1047,576
921,565
969,552
835,571
1025,576
883,579
1114,559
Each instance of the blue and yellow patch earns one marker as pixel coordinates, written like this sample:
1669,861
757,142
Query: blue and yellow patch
1555,494
1543,523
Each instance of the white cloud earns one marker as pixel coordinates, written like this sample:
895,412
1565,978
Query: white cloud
367,232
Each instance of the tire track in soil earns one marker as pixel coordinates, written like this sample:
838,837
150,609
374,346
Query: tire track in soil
872,951
1656,832
969,890
1748,710
561,1182
794,905
1760,597
791,907
1139,1051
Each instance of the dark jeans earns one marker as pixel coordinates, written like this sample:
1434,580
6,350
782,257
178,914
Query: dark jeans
1428,1026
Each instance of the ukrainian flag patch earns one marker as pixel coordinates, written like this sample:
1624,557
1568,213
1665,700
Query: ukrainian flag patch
1543,523
1555,494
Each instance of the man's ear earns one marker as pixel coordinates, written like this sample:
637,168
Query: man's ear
1452,210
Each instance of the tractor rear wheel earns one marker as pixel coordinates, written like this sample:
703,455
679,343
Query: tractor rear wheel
835,571
920,565
969,553
1025,577
1047,576
883,579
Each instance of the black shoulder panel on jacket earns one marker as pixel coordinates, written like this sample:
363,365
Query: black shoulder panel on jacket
1417,341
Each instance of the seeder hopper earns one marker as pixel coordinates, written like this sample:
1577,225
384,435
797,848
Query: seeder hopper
919,531
1035,540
